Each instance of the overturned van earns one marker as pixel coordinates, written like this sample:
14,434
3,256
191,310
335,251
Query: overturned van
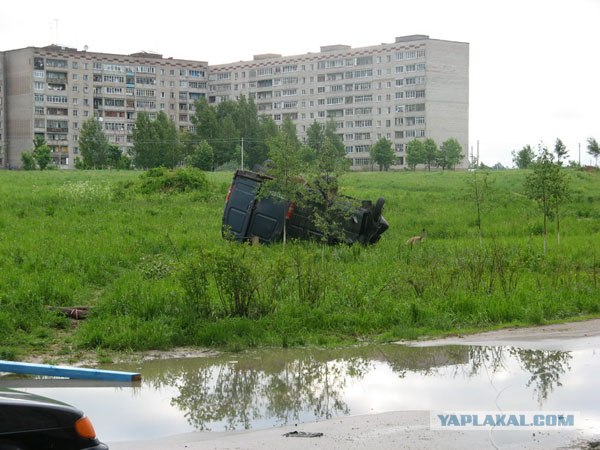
249,215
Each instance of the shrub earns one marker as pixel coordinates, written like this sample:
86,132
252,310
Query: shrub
164,180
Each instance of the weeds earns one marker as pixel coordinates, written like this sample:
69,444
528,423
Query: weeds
93,238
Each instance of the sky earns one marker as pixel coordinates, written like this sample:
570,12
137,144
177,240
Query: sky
534,64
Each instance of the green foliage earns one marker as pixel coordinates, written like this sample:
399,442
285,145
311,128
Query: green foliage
480,188
450,154
28,161
116,158
93,144
524,157
41,152
287,166
156,142
548,186
415,154
560,150
382,153
164,180
430,152
225,125
593,149
331,159
202,157
315,135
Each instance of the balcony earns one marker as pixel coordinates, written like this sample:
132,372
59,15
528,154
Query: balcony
57,111
56,77
55,129
56,87
55,137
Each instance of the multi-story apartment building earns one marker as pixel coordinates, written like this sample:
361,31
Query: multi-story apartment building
52,90
415,87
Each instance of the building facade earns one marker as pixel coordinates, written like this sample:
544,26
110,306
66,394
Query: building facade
415,87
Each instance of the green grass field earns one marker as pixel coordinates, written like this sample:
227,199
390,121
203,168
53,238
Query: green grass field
158,274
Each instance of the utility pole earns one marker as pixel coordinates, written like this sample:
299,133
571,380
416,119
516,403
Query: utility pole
579,145
242,153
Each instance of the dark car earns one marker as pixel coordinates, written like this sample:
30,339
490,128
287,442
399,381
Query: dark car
31,422
249,215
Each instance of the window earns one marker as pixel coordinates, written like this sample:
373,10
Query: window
38,74
145,69
197,85
113,68
363,73
363,98
56,99
361,161
38,85
60,63
415,107
114,79
112,90
362,111
264,71
145,93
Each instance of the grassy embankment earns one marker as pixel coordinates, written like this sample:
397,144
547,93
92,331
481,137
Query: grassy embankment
158,274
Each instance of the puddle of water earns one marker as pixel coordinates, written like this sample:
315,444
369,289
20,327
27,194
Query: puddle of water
276,387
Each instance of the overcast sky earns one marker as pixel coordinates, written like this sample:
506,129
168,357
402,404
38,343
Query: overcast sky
534,64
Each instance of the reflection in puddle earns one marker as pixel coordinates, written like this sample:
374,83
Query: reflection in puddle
276,387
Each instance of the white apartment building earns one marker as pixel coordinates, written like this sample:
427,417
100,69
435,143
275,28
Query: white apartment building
415,87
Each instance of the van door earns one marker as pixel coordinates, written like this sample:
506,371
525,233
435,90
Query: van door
239,207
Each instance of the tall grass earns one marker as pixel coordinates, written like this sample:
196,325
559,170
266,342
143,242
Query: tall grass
155,270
